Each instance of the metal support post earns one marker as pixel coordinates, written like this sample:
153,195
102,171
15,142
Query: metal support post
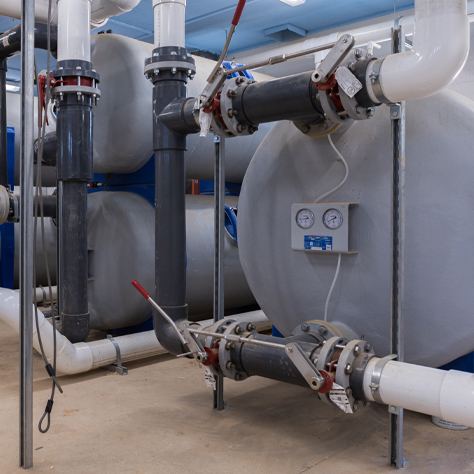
26,232
397,114
3,124
219,253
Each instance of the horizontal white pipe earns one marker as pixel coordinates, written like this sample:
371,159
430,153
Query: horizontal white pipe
74,17
102,10
440,50
41,293
169,22
81,357
447,394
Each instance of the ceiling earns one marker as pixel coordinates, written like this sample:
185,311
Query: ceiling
207,26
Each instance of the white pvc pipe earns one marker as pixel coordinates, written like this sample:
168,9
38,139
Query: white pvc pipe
74,17
446,394
42,292
169,22
101,10
440,50
82,357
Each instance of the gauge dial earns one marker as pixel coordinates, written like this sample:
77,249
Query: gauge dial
305,218
332,219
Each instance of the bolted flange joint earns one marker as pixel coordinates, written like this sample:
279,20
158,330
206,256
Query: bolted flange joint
75,77
170,60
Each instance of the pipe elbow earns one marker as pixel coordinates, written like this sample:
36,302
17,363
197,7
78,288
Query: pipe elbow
102,10
440,51
168,338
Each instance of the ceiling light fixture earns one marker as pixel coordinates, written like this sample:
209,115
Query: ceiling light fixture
293,3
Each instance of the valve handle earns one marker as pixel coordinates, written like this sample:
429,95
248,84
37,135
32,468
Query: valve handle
238,12
140,288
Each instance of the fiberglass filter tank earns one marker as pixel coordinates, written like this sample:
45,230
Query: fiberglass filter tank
121,240
123,121
291,286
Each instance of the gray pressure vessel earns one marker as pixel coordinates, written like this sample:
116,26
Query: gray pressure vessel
291,286
121,242
121,234
123,133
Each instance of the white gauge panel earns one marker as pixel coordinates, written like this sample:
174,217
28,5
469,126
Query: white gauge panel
321,227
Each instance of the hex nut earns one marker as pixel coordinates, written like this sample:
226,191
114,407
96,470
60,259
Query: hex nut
323,330
250,327
305,128
356,350
304,327
348,369
229,345
230,365
238,330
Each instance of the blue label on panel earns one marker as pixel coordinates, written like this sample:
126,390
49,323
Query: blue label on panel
317,242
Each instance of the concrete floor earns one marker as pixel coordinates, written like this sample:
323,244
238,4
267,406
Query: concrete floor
158,419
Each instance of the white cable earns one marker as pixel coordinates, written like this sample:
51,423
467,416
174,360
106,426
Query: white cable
332,288
341,184
320,198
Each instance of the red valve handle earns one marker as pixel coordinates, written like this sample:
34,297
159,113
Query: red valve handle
141,289
238,12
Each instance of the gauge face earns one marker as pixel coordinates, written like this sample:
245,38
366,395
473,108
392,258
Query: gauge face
305,218
332,219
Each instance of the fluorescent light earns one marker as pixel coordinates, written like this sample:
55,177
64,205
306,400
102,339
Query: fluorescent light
13,87
293,3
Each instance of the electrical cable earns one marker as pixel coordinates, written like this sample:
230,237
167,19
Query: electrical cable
39,200
332,287
325,195
341,184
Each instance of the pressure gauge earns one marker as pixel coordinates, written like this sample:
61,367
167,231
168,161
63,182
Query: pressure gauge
305,218
332,219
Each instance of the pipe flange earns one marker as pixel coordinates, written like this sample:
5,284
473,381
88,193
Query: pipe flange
227,110
74,67
226,347
170,58
318,329
330,110
219,128
154,67
218,327
352,107
345,367
80,90
325,358
319,129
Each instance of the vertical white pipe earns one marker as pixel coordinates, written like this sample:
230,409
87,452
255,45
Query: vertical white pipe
74,18
169,22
